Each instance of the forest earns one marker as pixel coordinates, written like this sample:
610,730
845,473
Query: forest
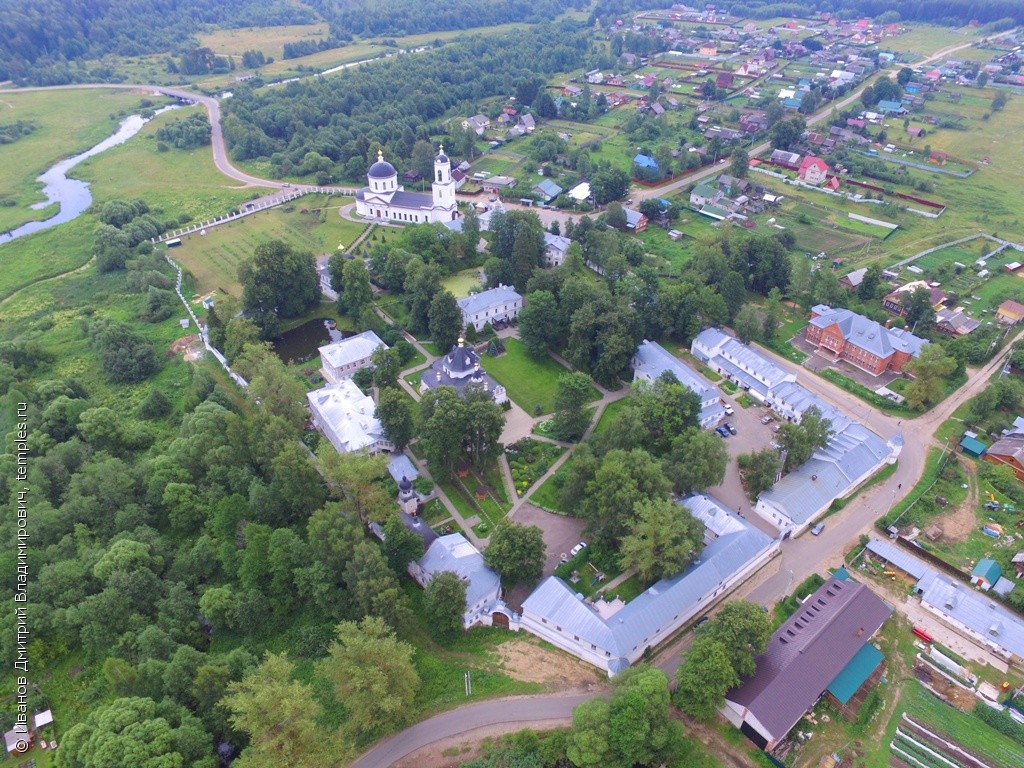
393,103
369,18
39,38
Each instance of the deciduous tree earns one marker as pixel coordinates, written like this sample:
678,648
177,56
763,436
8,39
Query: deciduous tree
697,461
396,416
572,400
444,604
445,321
517,553
663,539
930,369
703,679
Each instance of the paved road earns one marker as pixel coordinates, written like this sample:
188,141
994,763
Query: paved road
517,713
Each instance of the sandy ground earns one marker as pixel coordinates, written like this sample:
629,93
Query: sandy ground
528,661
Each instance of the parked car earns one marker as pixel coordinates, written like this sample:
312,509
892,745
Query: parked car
730,427
577,549
766,420
722,431
729,410
816,530
701,621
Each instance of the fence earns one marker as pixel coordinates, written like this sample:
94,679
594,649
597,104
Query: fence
202,331
250,208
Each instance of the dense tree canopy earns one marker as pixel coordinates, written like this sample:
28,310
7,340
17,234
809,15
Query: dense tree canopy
278,281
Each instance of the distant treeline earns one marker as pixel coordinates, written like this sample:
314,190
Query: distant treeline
38,38
407,17
394,103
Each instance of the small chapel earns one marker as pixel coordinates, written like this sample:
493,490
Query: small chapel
386,200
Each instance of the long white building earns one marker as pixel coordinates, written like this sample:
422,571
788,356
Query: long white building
651,360
613,635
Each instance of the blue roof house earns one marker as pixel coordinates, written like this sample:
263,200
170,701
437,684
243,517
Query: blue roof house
645,161
986,573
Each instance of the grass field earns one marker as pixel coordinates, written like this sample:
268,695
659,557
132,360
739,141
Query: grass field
213,258
68,122
924,39
530,383
268,40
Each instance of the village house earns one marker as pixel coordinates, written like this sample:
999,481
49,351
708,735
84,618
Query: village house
1010,312
955,322
342,359
894,304
556,248
479,123
636,222
813,170
498,304
1008,451
705,193
852,280
864,343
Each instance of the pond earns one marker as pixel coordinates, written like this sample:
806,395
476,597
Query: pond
72,195
302,342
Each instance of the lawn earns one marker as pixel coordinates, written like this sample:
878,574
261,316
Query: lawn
546,495
924,39
531,383
213,258
67,123
610,413
461,283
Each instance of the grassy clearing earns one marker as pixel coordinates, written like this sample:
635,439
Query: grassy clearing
924,39
45,254
69,122
173,183
267,40
610,413
213,258
530,383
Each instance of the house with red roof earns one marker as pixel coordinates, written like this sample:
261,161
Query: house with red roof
813,170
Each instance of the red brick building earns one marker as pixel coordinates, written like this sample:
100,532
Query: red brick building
862,342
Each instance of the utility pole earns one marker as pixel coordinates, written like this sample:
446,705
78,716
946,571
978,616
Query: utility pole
467,679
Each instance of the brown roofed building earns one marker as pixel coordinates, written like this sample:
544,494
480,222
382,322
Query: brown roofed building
893,303
805,657
1010,312
1008,451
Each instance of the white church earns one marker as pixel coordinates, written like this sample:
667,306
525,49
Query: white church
385,199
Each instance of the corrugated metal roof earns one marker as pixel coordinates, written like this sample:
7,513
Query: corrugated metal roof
358,347
631,629
651,360
997,625
489,299
898,557
847,682
456,554
831,472
868,334
807,653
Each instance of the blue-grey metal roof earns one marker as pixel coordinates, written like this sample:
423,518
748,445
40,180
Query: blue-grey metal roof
632,217
456,554
799,400
401,466
651,360
972,609
549,188
558,242
732,542
404,199
645,161
868,334
495,297
832,471
898,557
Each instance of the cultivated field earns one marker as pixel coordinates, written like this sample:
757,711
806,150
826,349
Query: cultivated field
268,40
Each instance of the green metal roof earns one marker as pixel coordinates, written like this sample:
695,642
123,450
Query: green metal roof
988,569
973,446
841,573
864,662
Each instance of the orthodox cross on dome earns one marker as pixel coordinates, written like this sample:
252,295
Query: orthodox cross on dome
380,155
440,149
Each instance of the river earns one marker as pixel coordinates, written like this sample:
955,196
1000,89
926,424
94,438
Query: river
72,194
